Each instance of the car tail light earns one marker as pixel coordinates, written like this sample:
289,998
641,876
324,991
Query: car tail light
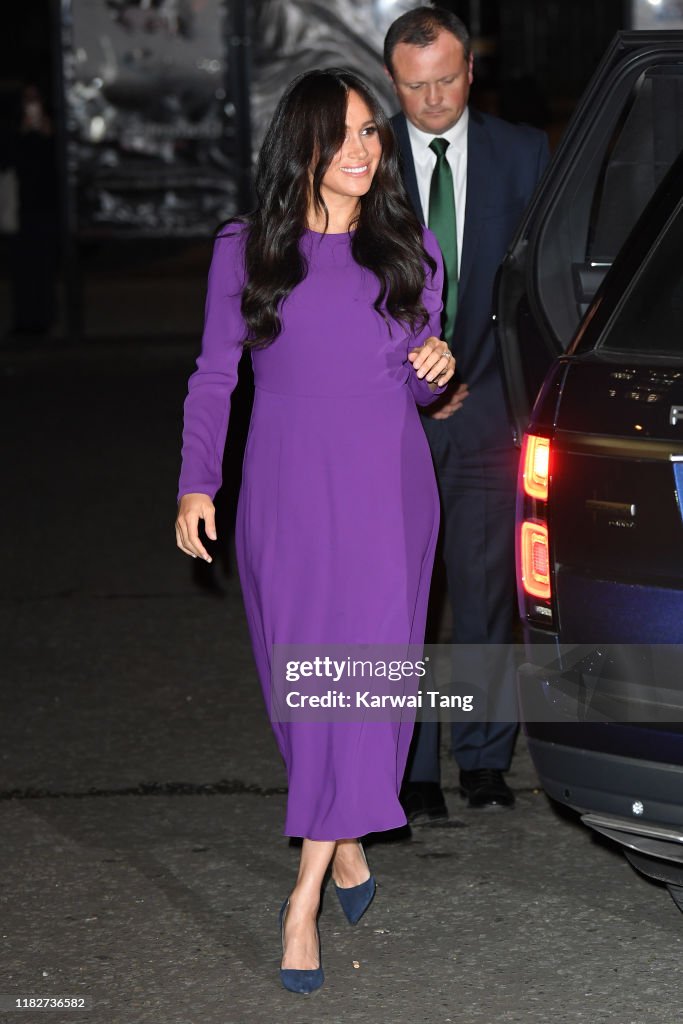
534,565
536,466
535,560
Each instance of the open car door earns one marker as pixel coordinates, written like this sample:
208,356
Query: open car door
623,137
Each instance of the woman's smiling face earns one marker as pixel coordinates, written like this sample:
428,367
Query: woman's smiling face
353,166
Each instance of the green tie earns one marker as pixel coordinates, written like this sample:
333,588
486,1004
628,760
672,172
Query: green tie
442,223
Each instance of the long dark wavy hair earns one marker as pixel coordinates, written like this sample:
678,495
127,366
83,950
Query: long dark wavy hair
307,130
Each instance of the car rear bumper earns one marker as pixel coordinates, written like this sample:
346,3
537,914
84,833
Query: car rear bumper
630,789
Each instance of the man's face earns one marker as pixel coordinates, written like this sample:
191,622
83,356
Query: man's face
433,82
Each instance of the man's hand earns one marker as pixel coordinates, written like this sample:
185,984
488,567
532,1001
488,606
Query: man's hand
434,362
448,405
192,508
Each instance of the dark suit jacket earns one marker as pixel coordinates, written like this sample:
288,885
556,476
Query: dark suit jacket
504,163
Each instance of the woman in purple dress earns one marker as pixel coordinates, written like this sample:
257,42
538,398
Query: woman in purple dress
336,289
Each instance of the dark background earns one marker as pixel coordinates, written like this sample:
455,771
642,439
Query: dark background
533,59
552,43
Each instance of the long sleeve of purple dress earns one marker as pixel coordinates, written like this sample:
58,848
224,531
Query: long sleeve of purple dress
207,406
338,512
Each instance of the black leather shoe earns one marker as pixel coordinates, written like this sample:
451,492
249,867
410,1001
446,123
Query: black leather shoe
485,787
423,801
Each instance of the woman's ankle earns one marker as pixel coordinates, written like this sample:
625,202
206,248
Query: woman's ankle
304,900
349,866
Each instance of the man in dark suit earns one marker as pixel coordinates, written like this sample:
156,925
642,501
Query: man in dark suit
469,177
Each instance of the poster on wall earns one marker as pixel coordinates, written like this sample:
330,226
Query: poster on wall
150,121
657,14
293,36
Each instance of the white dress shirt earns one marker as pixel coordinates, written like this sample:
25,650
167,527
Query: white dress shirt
425,161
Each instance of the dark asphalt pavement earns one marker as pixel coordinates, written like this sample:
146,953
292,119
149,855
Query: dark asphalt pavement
143,796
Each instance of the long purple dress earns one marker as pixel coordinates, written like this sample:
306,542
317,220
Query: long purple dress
338,512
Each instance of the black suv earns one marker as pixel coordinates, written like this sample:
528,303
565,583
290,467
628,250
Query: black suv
590,319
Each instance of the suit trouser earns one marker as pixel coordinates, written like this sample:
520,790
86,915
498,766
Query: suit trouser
477,545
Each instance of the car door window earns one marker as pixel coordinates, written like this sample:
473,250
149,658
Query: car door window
649,320
645,143
601,203
624,135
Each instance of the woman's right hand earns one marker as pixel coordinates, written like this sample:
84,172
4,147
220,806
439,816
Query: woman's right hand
192,508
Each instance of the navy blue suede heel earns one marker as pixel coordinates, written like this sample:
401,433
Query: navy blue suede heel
302,982
356,900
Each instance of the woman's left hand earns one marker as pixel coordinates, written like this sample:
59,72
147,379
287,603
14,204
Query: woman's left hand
433,361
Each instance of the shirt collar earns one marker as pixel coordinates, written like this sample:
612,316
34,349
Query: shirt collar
457,135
